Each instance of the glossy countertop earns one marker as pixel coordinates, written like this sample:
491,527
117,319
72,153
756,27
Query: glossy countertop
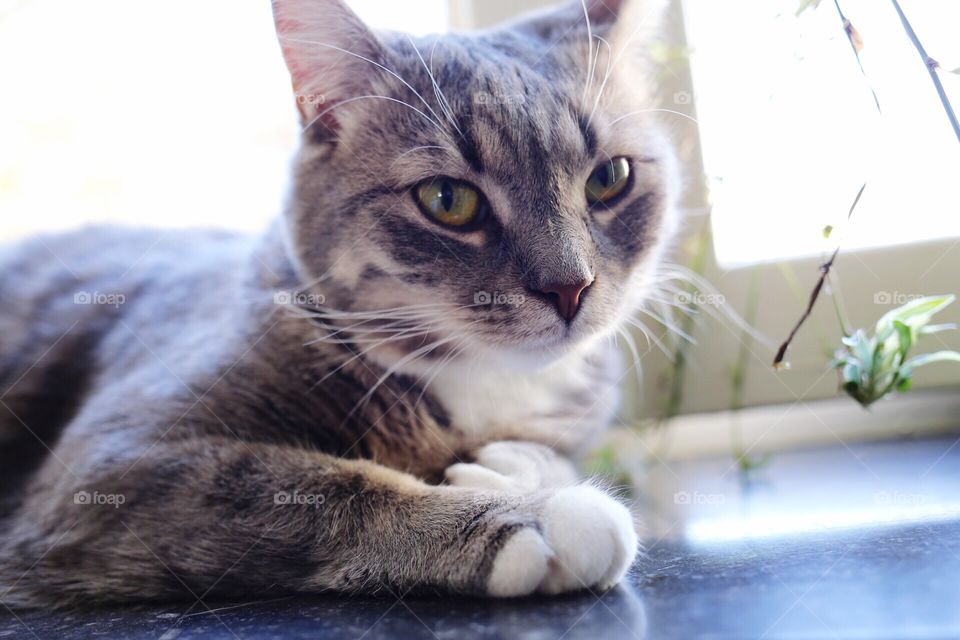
858,541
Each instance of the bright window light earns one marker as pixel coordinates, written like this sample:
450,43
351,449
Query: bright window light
430,16
168,114
790,129
787,523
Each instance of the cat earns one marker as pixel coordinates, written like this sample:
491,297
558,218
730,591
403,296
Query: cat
383,391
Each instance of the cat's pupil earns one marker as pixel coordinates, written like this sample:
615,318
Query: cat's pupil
446,195
604,174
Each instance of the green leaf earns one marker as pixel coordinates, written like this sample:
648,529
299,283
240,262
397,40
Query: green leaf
862,347
883,383
916,312
905,337
807,4
827,230
930,329
873,366
905,383
851,374
929,358
841,359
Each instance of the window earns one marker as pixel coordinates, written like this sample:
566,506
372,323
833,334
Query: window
163,114
790,129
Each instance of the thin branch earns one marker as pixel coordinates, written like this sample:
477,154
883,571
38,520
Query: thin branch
856,45
815,294
838,306
932,66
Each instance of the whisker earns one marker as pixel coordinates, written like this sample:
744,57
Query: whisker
419,329
672,306
634,113
376,64
623,48
450,357
648,333
436,87
634,352
444,103
420,148
720,311
392,336
409,358
590,62
669,325
356,356
385,313
393,316
367,97
606,77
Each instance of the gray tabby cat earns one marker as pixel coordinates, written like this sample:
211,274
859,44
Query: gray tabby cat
380,392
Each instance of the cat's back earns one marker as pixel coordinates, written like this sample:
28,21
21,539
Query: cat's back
110,252
63,295
49,282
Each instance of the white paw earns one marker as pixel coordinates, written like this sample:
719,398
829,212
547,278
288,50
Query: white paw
521,566
586,541
519,467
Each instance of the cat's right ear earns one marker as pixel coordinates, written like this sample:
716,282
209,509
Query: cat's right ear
330,53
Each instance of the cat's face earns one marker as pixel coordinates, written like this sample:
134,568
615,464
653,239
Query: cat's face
490,186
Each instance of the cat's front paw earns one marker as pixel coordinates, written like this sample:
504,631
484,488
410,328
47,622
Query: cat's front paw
585,540
518,467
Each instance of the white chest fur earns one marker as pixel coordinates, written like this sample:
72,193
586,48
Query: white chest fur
560,405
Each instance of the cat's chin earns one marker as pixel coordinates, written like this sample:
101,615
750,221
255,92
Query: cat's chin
534,354
484,354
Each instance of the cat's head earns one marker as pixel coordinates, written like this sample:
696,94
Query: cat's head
506,191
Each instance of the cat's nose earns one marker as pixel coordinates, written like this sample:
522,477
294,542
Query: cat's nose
566,297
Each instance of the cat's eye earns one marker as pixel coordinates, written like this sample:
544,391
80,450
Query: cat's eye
454,203
608,180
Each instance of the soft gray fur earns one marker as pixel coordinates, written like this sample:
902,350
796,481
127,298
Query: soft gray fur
199,398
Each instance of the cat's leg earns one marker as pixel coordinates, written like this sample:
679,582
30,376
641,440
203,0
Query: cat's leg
513,466
227,518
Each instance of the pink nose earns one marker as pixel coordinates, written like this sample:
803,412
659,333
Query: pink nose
566,297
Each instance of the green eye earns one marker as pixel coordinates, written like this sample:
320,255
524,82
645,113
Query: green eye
608,180
450,202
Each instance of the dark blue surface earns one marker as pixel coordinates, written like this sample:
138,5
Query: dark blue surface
838,543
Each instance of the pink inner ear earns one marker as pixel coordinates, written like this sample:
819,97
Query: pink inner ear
603,11
287,27
313,36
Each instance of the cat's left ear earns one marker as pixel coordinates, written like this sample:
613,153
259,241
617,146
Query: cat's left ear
603,11
331,55
626,22
622,24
